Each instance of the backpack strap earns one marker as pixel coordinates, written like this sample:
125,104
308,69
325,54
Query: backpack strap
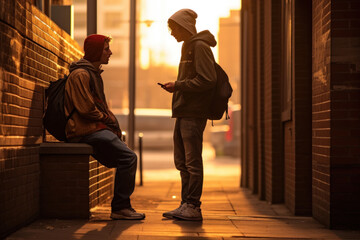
227,116
72,112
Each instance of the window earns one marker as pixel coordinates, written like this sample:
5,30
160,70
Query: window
113,20
119,47
114,2
287,58
80,21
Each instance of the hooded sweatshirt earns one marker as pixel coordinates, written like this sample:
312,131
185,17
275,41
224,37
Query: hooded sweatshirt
87,97
196,79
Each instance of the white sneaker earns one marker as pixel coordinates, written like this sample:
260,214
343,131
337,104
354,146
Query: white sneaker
171,214
190,213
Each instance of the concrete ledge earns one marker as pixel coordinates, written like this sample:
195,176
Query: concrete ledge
65,148
71,181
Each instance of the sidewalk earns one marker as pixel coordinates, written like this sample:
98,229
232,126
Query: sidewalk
229,213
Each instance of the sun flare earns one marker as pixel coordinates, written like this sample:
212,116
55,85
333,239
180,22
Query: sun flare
157,46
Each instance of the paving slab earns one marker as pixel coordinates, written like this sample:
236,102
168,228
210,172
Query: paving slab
229,213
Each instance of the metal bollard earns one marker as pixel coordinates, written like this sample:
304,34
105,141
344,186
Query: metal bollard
123,133
140,158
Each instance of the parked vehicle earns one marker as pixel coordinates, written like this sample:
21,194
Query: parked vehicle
156,125
225,134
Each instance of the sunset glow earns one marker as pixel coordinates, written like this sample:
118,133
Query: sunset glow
157,46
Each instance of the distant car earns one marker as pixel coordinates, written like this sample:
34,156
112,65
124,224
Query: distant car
155,124
225,134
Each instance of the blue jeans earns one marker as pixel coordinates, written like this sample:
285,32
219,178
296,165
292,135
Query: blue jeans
111,152
188,142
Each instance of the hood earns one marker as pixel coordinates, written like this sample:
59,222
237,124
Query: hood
205,36
185,18
82,63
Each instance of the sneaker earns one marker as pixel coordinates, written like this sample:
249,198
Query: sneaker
127,214
171,214
190,213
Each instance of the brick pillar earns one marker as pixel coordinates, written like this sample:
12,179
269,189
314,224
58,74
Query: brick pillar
336,118
345,114
247,88
321,111
274,164
260,100
297,128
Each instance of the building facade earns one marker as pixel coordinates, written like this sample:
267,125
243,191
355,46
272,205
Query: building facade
300,101
229,50
112,20
33,52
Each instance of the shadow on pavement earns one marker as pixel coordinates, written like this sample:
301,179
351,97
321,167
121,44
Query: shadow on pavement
189,227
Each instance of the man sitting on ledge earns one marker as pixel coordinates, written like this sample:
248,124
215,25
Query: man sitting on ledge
92,122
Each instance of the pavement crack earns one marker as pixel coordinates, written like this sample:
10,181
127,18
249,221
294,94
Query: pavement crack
227,197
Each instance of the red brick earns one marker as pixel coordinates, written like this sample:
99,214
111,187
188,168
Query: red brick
340,5
67,188
36,63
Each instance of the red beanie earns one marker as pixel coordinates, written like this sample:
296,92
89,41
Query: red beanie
93,47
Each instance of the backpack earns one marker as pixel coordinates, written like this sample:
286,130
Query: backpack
222,93
54,119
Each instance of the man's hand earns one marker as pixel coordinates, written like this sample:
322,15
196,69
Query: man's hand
170,87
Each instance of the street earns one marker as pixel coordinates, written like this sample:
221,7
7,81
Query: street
158,165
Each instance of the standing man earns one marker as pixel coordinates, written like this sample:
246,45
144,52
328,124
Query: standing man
92,122
192,92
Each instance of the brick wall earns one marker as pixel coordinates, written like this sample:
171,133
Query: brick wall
64,186
248,59
311,162
336,118
33,52
260,99
251,101
274,165
297,131
100,183
288,111
345,114
71,182
289,166
321,111
302,106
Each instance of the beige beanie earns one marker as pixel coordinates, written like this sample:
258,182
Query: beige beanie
185,18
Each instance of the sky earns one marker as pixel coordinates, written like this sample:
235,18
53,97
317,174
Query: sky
157,45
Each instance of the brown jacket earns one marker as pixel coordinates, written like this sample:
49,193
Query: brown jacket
88,99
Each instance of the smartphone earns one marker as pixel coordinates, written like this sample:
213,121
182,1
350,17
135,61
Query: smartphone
162,85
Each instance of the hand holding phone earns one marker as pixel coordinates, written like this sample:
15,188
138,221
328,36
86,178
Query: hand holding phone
170,86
